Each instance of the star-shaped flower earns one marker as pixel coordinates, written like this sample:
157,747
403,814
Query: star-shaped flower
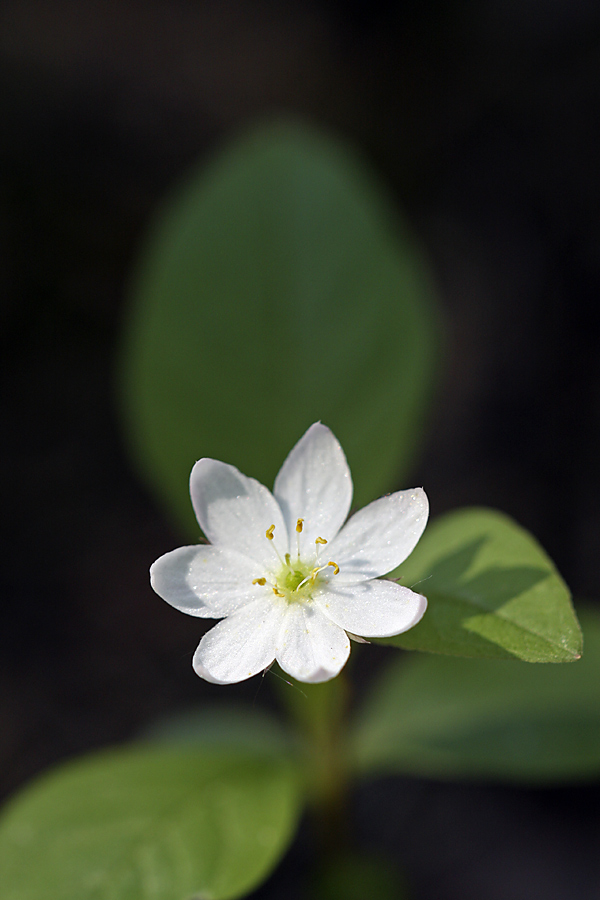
289,582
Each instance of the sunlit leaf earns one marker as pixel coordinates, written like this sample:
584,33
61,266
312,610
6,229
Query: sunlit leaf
492,592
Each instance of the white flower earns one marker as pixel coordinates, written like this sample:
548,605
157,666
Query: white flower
288,581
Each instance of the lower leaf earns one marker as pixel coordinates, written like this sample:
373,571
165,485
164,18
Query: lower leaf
149,824
440,717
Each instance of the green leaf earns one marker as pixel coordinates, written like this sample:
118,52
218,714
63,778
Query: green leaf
228,725
492,592
496,719
278,288
148,824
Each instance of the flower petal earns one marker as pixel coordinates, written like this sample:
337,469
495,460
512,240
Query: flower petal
240,646
235,511
314,484
372,608
379,537
311,648
205,581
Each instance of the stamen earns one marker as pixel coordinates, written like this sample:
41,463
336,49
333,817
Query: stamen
310,577
313,575
299,528
319,542
269,536
274,587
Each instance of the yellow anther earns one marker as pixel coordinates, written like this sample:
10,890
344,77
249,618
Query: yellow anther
259,581
277,592
336,568
299,525
270,531
320,540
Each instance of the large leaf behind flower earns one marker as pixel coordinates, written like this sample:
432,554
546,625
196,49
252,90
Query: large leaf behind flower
149,824
495,719
278,288
492,592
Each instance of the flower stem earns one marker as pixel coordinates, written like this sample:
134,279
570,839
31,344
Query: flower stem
320,713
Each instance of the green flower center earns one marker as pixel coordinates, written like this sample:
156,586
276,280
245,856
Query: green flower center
295,580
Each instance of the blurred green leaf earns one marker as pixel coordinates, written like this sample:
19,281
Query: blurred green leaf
496,719
492,592
278,288
231,726
148,824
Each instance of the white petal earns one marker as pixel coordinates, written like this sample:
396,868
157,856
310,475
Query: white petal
235,511
379,537
242,645
205,581
314,484
311,648
372,608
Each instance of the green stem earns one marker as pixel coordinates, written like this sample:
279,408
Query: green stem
320,714
330,778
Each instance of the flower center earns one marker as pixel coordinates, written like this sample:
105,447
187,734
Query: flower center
293,579
296,580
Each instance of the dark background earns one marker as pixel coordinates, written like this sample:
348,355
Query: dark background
482,118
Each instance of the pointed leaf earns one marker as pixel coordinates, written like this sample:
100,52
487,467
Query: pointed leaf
492,592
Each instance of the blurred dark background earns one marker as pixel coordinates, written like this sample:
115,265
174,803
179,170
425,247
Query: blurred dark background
482,118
